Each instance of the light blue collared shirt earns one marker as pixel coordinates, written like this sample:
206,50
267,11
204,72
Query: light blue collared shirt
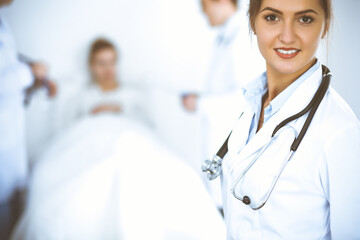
255,90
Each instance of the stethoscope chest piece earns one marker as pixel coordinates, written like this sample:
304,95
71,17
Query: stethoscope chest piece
212,168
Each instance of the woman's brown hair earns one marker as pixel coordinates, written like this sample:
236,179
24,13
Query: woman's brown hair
254,8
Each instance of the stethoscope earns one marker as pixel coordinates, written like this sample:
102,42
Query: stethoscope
213,168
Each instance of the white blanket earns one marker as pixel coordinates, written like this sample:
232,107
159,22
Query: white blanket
108,177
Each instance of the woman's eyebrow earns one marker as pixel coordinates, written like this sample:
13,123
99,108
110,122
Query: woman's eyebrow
306,11
272,9
297,13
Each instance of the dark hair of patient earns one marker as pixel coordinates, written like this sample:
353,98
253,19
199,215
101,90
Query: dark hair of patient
98,45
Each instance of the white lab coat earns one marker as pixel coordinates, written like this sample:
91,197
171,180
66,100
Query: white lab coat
14,78
316,196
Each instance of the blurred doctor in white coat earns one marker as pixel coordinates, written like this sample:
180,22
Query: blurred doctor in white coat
15,77
317,193
235,61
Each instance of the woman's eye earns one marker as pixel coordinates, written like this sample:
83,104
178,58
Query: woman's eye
306,19
271,18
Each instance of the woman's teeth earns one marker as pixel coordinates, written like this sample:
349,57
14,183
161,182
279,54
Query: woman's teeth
286,52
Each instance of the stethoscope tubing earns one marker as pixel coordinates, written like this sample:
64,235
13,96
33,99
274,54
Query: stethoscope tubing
311,108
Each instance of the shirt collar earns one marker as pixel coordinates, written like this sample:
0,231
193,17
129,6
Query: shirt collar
280,99
254,90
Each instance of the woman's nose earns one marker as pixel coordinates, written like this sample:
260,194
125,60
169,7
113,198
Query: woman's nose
287,33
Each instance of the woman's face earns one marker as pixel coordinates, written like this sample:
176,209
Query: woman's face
103,66
288,33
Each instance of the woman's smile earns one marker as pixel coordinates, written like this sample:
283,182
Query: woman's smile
287,53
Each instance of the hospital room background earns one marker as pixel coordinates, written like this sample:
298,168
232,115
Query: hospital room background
163,44
164,48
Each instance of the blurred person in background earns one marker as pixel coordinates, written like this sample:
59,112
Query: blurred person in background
105,94
18,77
235,61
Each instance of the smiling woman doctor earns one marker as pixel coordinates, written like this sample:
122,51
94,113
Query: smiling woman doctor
298,178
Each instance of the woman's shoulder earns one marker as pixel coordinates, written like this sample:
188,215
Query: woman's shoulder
338,109
337,118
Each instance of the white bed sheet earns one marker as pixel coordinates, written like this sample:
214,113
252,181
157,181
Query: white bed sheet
109,177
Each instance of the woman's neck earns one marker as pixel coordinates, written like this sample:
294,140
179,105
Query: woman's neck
278,82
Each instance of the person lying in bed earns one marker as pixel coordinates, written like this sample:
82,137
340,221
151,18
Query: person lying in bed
105,94
109,176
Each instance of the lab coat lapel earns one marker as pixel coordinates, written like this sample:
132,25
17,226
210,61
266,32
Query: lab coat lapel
297,102
240,132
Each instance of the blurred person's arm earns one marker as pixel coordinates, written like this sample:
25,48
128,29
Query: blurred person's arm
40,72
18,72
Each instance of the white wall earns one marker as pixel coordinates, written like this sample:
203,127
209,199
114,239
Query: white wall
149,33
344,60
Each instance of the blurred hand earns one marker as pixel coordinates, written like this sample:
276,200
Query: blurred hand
107,108
39,70
52,88
40,73
189,101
